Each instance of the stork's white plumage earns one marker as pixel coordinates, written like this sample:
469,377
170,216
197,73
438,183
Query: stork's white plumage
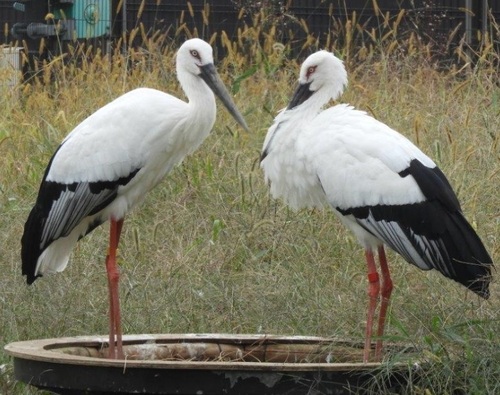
108,163
380,185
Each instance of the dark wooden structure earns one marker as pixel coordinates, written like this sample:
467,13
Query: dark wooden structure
59,22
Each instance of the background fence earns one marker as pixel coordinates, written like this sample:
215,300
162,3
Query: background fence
102,22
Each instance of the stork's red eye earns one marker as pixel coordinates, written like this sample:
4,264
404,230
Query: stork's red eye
310,70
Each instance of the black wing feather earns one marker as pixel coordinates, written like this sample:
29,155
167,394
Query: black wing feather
433,233
59,208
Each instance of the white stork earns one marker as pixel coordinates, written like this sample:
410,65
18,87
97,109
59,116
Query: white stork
108,163
380,185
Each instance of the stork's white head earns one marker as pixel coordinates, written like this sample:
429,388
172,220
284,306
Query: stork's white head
322,76
194,54
195,62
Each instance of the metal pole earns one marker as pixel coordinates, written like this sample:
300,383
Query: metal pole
124,26
468,22
484,16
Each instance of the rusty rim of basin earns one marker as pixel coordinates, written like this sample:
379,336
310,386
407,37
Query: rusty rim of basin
206,364
205,351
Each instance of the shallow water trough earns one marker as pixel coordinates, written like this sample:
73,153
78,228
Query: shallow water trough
198,364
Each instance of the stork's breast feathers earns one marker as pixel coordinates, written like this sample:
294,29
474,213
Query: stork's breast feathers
291,176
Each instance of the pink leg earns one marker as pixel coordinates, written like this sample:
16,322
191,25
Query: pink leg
373,292
114,303
386,295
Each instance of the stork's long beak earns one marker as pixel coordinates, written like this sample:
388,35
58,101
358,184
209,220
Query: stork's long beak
211,77
302,93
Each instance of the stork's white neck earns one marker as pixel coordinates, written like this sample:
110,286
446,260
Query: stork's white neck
201,100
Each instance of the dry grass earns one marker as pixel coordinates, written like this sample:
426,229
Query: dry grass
209,251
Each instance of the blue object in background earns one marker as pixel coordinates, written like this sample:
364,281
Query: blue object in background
92,18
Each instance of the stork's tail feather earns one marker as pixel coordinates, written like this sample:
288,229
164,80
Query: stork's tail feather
471,262
30,244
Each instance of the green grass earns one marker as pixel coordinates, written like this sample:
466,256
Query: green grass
210,251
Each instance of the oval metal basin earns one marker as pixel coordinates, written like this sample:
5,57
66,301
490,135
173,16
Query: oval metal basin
198,364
